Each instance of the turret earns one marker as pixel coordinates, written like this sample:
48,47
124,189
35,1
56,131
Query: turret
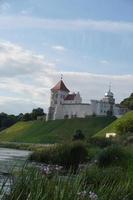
109,96
58,94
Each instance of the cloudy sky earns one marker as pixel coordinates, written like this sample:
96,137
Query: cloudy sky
90,42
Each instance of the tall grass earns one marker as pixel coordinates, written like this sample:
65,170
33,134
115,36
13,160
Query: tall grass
108,184
68,155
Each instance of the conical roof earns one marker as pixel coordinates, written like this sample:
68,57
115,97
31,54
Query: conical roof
60,86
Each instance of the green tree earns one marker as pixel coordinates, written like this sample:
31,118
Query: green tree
37,112
78,135
27,117
128,102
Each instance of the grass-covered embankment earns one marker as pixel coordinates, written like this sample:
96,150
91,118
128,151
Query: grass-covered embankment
53,131
118,126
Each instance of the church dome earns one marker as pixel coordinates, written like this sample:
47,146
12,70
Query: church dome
109,94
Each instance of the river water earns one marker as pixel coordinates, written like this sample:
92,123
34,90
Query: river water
11,159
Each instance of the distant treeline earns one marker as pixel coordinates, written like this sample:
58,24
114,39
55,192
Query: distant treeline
7,120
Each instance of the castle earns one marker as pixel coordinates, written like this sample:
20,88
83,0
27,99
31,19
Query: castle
66,105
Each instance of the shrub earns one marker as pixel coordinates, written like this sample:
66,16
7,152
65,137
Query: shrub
130,140
112,156
125,126
101,142
78,135
67,155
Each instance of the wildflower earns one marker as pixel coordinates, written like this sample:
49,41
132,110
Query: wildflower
82,194
93,196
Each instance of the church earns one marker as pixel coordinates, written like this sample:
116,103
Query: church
67,105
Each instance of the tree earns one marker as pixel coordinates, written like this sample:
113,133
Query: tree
128,102
27,117
37,112
109,113
7,120
125,126
78,135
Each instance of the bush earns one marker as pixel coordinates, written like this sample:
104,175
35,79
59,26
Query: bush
112,156
125,126
67,155
78,135
101,142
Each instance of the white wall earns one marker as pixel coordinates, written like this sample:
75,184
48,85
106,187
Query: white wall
78,110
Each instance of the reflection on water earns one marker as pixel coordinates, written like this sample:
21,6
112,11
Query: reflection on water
10,159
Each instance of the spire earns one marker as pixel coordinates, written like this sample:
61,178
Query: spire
110,87
109,93
61,76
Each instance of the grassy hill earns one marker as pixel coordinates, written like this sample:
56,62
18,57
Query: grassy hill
53,131
113,126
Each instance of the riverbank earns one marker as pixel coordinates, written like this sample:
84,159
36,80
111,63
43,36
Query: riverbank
24,146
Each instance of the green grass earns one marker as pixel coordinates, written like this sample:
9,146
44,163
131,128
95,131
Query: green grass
108,184
112,128
53,131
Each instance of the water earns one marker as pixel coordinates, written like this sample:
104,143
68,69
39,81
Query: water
10,159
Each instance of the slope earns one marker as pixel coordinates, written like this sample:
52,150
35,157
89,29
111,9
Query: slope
53,131
113,126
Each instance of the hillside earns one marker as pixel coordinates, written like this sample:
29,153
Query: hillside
53,131
113,126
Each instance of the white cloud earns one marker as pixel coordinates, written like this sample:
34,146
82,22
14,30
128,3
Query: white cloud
26,79
14,60
20,21
27,11
105,62
59,48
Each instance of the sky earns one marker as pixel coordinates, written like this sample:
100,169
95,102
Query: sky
90,42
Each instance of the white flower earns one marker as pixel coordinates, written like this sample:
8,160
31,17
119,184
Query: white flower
93,196
82,194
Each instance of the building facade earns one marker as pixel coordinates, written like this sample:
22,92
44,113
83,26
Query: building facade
66,105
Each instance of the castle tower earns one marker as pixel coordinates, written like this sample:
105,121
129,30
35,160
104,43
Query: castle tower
109,98
58,94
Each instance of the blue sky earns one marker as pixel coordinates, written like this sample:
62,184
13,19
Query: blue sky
44,38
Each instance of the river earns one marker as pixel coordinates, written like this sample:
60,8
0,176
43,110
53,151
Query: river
11,159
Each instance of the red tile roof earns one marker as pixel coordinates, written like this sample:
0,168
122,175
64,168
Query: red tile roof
70,97
60,86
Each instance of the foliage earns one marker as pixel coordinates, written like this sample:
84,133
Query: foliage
78,135
33,115
37,112
128,102
101,142
106,184
121,125
125,126
27,117
67,155
7,120
112,156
